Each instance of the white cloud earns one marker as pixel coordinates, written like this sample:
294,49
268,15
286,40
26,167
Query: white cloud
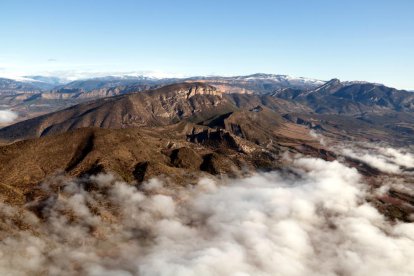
318,137
314,223
383,158
7,116
398,156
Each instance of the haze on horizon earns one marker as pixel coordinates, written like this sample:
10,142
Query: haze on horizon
370,41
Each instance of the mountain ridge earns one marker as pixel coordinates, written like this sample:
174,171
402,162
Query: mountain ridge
195,102
337,97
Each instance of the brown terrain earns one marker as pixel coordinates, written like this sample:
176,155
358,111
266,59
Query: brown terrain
180,132
175,131
192,102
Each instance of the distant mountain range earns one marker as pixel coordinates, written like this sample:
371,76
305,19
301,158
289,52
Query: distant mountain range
87,84
192,102
31,96
372,111
36,95
350,98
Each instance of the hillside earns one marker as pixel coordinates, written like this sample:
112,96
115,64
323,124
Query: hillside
193,102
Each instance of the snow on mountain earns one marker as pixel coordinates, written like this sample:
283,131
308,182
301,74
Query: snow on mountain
282,79
45,79
63,77
346,83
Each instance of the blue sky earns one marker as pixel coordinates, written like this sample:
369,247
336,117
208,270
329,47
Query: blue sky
352,40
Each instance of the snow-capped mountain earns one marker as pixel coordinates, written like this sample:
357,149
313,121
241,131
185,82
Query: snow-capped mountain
255,83
81,82
282,79
45,79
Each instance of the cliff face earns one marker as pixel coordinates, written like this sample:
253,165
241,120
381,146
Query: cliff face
201,89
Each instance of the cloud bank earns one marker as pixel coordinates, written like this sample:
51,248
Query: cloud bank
383,158
7,116
314,221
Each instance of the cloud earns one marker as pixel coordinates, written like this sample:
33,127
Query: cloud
383,158
398,156
314,221
7,116
318,137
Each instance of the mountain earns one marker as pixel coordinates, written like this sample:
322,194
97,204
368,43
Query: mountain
368,111
90,84
258,83
178,130
194,102
335,108
255,83
176,150
360,103
9,86
45,82
32,96
335,97
29,84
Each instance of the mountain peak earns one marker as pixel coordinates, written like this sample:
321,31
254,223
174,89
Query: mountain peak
329,85
334,81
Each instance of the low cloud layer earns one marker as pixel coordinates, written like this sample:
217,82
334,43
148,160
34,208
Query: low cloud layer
383,158
314,221
7,116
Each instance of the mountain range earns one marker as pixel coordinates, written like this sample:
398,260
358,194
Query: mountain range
139,128
32,96
350,98
340,107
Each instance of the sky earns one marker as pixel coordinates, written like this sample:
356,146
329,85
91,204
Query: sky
371,40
